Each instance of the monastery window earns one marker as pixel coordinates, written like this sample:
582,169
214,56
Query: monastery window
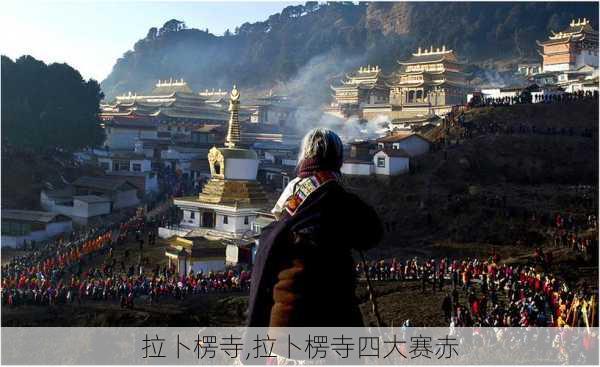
104,166
192,215
381,162
419,94
246,220
137,167
225,219
121,166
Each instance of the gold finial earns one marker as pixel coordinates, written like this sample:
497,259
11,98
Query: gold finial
419,51
233,131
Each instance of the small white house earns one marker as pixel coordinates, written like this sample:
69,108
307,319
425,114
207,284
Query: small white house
122,133
391,162
124,161
81,208
89,206
358,167
121,192
146,182
20,226
411,143
182,158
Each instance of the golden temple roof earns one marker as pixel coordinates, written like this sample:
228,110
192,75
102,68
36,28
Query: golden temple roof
242,194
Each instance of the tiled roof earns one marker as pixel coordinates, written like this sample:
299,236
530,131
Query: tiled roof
102,183
32,216
395,153
91,198
399,137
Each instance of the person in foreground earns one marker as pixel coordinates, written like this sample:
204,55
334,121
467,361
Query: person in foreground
303,273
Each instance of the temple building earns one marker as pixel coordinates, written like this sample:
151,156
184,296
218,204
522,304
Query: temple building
366,86
570,49
169,101
271,109
429,83
229,202
215,97
425,86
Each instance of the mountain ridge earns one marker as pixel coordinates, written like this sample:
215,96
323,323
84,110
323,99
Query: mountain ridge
273,52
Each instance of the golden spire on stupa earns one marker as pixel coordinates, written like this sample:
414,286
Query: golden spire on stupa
233,131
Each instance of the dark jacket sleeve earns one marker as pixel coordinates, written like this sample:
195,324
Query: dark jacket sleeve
264,275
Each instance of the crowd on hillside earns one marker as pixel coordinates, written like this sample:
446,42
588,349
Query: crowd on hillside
487,293
45,266
478,292
53,273
566,234
102,284
471,130
524,98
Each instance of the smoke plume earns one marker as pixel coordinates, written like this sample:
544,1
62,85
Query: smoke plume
310,91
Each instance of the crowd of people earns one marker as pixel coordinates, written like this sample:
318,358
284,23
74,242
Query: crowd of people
566,234
54,274
487,293
478,292
107,286
466,129
528,97
42,269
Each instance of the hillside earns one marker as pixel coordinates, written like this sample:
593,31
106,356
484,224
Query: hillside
25,173
484,190
269,53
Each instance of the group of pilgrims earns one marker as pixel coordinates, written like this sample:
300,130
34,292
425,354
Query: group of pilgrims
488,293
566,234
562,97
478,292
38,276
53,275
495,294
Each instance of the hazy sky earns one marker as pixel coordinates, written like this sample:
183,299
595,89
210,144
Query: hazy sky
91,35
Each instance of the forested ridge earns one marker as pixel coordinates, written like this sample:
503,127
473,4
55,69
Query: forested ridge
273,51
46,107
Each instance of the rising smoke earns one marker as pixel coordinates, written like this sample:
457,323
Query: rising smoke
310,91
489,78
